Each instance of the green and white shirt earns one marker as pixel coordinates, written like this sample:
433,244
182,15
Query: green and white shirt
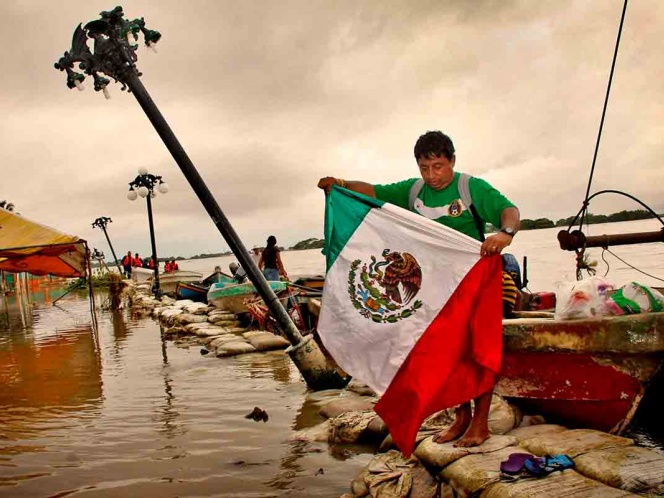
445,206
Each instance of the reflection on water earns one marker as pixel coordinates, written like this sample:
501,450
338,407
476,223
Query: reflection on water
125,413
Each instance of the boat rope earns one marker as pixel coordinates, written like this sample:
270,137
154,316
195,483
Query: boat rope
601,124
606,249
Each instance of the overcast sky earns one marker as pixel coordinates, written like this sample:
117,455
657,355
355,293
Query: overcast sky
266,97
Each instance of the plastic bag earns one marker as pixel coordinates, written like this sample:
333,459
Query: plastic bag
635,298
583,299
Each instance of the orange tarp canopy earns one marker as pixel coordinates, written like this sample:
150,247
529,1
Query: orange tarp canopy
27,246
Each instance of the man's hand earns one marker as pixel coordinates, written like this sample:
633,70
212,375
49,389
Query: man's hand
326,183
494,244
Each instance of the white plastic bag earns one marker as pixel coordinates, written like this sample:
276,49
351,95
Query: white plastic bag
586,298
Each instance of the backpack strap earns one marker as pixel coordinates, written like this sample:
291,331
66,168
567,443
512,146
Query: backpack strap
464,192
414,192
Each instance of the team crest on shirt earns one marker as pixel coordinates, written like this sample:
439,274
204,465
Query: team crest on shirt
455,208
382,290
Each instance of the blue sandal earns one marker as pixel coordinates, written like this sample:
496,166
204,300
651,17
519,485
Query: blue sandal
541,466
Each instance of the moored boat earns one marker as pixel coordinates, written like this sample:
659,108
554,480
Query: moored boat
585,373
141,275
197,291
192,290
168,281
231,297
310,281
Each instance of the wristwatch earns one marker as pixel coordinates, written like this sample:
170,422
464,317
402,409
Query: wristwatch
508,230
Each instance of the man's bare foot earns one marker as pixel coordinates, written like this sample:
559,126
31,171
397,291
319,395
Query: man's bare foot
474,436
458,427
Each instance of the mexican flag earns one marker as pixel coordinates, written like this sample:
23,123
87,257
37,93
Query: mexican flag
410,308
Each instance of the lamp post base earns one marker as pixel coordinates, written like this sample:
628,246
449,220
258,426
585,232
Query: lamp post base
314,367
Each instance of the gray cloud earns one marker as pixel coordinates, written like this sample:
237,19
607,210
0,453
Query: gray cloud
267,97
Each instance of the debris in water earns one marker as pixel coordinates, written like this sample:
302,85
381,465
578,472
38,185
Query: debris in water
257,414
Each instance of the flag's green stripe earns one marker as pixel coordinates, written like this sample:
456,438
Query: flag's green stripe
344,212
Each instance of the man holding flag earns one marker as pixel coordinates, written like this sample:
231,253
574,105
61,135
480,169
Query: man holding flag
412,302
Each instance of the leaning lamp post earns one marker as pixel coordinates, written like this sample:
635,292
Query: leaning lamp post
102,222
114,56
144,185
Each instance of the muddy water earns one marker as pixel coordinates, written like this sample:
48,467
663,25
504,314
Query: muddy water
122,412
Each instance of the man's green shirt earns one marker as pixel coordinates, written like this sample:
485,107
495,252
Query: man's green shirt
445,206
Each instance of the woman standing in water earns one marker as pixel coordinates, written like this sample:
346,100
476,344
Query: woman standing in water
270,261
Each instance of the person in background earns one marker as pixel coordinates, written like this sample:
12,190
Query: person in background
439,199
167,266
149,263
270,261
174,265
127,263
137,262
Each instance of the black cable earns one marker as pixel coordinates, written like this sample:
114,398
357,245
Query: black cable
634,267
610,191
601,125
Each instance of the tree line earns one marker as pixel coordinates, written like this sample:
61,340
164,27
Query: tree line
590,219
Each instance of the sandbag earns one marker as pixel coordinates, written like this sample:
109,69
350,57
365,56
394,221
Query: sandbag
187,318
350,426
266,341
391,475
318,433
196,309
218,340
347,404
479,475
565,484
533,431
503,417
631,468
441,455
234,348
573,442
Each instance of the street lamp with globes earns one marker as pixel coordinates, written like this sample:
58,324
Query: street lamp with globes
144,185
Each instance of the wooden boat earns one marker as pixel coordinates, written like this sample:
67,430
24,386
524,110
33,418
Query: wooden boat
141,275
311,281
231,297
168,281
197,291
584,373
192,290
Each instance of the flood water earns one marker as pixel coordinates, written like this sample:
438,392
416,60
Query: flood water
122,412
125,413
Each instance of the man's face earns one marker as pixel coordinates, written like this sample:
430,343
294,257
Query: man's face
437,172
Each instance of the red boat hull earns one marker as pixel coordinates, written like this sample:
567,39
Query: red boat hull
582,373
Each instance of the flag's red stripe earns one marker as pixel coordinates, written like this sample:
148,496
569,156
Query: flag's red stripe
456,359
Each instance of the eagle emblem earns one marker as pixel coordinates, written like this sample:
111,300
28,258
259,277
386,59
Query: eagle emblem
383,290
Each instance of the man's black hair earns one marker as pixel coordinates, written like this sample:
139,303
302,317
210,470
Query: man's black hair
434,144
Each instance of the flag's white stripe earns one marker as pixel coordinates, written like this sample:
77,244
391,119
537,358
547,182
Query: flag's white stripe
373,352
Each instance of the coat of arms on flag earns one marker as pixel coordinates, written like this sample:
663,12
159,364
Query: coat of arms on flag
410,308
382,290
